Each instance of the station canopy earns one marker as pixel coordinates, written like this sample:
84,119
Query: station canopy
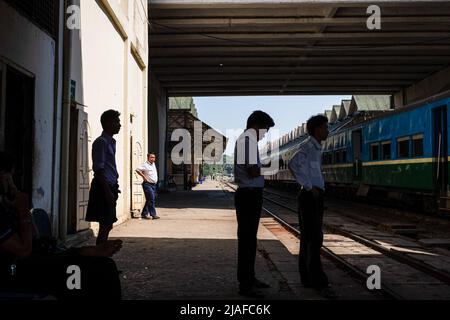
200,48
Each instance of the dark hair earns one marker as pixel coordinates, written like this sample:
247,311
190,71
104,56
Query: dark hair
151,153
6,161
315,122
260,119
109,115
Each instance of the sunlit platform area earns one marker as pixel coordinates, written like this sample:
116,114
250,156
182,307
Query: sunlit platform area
191,253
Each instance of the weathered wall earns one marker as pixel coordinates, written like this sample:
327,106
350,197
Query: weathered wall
110,75
30,49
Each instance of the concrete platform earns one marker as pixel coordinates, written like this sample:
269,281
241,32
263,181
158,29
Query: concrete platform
191,253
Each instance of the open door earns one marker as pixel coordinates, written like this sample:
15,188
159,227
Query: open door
17,122
80,173
440,150
137,193
357,150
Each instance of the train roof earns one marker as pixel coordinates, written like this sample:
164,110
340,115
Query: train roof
367,116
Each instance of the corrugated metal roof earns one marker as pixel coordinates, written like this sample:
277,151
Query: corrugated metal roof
183,103
371,102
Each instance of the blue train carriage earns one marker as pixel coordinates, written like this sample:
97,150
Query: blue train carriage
401,154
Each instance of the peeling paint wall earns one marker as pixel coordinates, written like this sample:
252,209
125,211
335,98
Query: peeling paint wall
109,75
27,47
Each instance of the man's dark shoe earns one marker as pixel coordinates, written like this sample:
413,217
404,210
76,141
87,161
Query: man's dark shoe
251,291
329,293
156,217
260,284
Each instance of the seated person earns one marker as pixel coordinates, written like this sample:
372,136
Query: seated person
22,271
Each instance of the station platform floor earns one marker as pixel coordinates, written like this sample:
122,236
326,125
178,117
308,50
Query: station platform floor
191,253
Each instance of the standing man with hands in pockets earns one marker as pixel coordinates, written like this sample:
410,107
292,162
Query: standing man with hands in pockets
306,167
148,172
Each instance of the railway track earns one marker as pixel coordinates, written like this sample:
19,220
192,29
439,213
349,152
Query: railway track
402,277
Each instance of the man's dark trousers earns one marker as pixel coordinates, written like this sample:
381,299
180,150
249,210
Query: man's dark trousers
248,202
311,240
150,199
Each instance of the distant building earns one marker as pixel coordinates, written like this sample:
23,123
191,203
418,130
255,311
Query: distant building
183,103
187,175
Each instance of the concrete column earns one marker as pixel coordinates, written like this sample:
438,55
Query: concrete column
430,86
157,124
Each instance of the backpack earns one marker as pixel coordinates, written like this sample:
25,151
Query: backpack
43,242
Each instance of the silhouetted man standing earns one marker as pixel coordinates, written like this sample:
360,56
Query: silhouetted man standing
306,167
248,199
104,190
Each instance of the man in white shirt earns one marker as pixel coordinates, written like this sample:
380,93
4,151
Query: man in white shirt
306,167
248,200
149,173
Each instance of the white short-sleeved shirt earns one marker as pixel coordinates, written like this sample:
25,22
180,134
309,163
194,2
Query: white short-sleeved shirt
149,171
246,155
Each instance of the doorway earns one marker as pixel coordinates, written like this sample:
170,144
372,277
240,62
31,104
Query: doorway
357,150
440,150
17,124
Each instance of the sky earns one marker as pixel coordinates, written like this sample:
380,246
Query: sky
288,112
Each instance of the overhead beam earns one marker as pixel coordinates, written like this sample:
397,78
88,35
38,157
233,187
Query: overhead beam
279,4
269,35
302,90
309,21
273,93
299,76
241,51
387,68
280,83
275,60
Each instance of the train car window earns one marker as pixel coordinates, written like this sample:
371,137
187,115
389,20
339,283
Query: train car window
386,150
375,151
417,145
329,158
338,156
329,143
403,147
325,158
344,156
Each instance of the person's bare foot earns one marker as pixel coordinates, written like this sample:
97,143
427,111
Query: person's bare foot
107,249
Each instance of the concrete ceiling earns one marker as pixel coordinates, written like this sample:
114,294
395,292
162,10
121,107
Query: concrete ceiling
269,47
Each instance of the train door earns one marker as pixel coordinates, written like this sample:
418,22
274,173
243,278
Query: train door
357,151
440,150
